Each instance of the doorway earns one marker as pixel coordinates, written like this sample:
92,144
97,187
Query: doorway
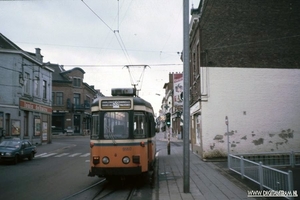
77,123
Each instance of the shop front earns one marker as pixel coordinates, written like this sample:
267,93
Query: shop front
196,129
34,122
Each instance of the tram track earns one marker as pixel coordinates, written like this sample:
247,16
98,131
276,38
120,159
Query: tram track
105,190
117,190
75,195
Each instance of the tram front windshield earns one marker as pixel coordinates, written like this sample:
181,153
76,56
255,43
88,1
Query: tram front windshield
116,125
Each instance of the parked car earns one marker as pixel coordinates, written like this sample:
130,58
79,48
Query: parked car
68,131
16,149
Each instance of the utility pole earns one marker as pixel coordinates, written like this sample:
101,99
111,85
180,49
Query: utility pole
186,97
228,142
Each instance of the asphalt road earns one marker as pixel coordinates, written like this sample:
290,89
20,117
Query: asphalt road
58,171
48,177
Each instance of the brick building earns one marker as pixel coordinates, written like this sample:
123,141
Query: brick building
245,64
72,99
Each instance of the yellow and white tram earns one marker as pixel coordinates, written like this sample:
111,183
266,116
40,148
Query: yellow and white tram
122,137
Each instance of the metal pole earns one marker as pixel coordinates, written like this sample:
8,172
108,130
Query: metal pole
169,145
186,98
228,157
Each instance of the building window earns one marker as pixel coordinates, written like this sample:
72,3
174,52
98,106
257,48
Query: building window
76,99
76,82
36,86
88,99
45,89
27,83
53,98
87,102
59,98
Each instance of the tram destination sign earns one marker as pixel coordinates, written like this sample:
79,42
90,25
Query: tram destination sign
115,104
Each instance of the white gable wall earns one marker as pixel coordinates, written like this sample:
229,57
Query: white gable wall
263,107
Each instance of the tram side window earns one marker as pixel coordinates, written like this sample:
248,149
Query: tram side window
139,125
95,127
116,125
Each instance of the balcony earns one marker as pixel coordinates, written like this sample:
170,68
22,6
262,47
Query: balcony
78,107
81,107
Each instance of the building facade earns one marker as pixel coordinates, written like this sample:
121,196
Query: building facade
172,105
25,96
72,100
245,64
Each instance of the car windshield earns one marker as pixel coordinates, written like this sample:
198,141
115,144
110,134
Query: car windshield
12,144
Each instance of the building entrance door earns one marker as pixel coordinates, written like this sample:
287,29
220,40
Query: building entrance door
77,123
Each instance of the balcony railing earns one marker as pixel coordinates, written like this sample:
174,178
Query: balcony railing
78,107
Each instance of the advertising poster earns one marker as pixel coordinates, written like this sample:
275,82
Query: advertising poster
15,127
37,126
178,90
45,128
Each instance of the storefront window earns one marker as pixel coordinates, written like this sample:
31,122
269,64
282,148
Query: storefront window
26,123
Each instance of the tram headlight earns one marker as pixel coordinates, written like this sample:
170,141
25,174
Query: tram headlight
126,160
105,160
96,160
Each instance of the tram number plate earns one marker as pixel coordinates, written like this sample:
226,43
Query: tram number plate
126,148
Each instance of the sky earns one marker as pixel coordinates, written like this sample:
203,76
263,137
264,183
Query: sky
103,36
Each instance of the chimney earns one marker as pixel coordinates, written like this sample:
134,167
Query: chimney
38,55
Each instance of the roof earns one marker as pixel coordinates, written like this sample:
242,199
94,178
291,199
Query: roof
5,43
76,68
57,74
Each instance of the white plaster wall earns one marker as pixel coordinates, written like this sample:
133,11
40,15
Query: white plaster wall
263,107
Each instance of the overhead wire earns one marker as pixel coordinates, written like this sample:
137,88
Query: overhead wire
116,32
121,43
97,15
121,65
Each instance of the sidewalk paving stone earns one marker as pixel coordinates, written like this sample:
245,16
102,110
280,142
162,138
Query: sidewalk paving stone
207,181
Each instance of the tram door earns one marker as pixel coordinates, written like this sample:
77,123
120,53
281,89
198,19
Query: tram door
76,123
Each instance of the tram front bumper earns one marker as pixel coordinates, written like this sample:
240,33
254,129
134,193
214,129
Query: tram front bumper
115,171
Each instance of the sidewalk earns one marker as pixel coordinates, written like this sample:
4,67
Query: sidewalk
206,179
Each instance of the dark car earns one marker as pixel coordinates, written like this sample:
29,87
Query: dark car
16,149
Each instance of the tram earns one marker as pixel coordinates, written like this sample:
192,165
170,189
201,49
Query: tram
122,140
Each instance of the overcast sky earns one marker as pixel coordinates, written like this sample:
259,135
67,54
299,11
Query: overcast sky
101,36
